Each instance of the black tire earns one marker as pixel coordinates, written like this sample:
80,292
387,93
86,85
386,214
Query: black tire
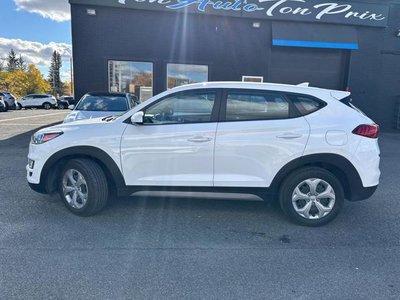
18,107
6,106
61,106
297,177
97,187
46,105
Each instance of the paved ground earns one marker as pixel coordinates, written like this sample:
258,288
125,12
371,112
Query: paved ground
158,248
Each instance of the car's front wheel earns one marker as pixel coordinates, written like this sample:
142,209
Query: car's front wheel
83,187
311,196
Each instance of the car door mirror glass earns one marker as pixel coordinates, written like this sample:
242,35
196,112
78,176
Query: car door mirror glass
71,107
137,118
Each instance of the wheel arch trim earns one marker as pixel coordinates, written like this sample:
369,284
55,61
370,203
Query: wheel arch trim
336,162
76,152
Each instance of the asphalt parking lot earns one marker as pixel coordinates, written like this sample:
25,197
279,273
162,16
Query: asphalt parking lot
189,247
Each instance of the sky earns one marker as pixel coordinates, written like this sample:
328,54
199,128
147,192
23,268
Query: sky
34,29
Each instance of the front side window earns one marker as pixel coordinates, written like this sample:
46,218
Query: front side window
131,77
242,106
103,103
182,108
180,74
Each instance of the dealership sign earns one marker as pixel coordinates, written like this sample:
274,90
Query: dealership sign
296,10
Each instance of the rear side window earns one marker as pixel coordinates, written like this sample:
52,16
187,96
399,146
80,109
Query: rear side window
305,105
243,106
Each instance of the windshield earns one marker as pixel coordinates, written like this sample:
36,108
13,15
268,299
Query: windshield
103,103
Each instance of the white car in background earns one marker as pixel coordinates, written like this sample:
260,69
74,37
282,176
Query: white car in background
308,147
100,104
37,101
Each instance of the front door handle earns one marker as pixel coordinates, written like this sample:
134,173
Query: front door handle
200,139
289,135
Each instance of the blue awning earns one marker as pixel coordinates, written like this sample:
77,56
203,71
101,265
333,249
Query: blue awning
314,36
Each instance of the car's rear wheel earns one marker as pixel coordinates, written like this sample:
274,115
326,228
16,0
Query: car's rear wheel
61,106
311,196
6,106
18,107
83,187
46,106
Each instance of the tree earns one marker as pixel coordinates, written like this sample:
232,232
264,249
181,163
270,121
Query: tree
22,83
35,83
12,61
54,74
1,66
21,65
67,88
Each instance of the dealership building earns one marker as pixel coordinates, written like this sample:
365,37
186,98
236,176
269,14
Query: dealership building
147,46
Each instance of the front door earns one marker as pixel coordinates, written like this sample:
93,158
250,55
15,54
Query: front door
257,135
175,145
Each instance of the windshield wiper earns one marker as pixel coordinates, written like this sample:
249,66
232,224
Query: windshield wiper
109,118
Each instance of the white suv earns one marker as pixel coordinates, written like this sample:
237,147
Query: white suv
308,146
37,101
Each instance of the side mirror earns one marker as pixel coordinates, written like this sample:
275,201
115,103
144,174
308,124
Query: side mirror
137,117
71,107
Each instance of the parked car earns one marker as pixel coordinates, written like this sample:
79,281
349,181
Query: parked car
100,104
9,100
308,147
37,101
65,101
3,106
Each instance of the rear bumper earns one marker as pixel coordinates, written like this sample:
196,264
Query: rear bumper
362,193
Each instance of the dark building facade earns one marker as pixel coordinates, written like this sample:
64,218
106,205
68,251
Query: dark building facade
147,46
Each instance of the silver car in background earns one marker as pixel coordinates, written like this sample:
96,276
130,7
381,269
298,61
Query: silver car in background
100,104
9,99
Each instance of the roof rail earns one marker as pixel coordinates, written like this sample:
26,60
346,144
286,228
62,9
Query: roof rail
306,84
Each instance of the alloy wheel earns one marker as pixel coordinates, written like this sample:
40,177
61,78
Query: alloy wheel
313,198
75,189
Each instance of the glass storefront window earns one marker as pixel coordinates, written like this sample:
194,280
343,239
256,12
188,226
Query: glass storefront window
131,77
180,74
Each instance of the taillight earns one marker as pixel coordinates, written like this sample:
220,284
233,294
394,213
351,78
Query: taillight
370,131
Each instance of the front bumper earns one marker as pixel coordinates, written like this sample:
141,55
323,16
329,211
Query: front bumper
39,188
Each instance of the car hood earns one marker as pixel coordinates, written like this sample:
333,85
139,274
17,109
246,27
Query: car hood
83,115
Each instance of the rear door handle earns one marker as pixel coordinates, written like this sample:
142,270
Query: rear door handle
200,139
289,135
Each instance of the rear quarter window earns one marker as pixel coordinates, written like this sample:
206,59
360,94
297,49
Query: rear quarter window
306,105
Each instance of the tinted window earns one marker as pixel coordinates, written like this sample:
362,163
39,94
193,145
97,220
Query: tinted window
103,103
242,106
305,105
182,108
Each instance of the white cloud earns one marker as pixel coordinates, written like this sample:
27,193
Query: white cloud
57,10
34,52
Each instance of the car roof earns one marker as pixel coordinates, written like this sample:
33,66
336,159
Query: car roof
300,89
106,94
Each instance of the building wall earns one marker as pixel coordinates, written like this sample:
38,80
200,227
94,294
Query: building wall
232,48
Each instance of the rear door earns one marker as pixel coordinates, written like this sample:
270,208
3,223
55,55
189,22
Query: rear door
259,132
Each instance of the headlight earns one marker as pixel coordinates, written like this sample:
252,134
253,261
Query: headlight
40,138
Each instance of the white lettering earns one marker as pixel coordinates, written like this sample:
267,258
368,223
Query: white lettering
331,9
286,10
302,11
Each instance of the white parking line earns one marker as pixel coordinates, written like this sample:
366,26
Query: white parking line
30,117
25,124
